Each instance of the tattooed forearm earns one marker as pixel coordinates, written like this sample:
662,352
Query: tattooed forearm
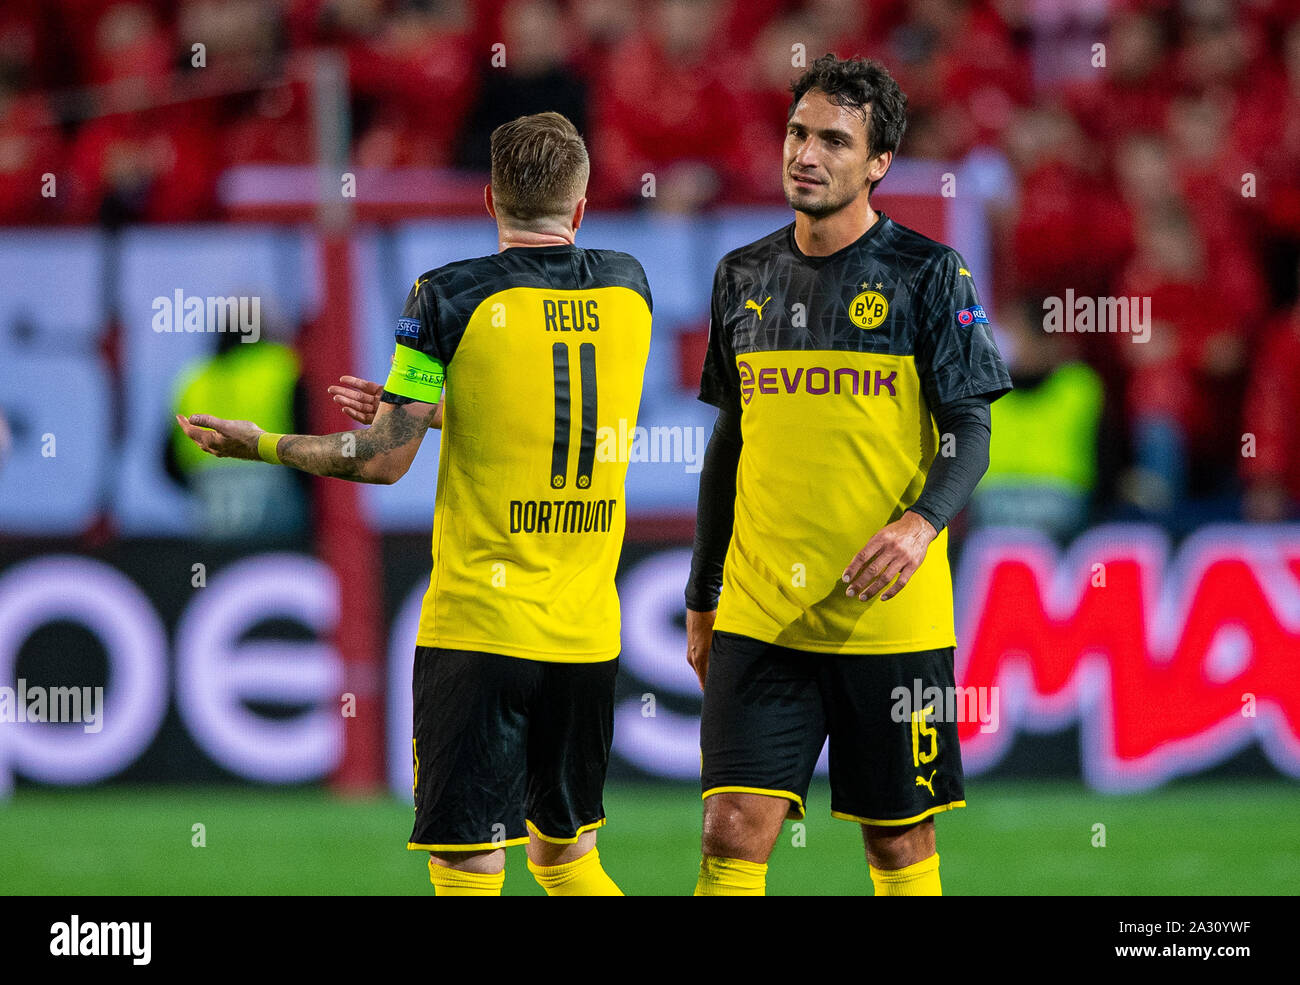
378,454
321,454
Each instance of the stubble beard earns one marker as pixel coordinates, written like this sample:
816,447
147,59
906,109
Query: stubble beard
820,209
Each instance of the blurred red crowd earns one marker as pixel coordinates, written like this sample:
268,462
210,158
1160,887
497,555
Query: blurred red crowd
1153,145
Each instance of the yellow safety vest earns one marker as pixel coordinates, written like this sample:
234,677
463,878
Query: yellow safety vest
1049,433
251,382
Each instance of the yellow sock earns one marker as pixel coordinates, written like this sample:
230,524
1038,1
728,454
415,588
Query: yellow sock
918,879
582,877
455,882
731,877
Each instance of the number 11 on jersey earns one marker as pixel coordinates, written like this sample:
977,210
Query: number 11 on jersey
563,402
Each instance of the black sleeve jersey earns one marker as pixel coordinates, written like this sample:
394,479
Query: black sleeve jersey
837,365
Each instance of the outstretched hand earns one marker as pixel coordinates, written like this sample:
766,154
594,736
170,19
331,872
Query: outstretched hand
222,438
357,398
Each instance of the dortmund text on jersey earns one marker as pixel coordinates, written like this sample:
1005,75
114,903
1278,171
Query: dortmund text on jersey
543,349
835,364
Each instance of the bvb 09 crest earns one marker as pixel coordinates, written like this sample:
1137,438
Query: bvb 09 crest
868,310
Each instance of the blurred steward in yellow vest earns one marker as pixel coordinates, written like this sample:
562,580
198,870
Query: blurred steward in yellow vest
1043,455
254,381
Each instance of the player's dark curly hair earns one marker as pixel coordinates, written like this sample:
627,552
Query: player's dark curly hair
862,84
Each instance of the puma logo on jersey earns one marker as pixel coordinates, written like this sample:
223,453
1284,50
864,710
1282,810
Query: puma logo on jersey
928,784
758,307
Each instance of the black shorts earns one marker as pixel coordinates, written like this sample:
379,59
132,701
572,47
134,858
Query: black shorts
504,745
769,709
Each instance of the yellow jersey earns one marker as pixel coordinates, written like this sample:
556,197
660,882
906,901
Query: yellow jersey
834,365
542,351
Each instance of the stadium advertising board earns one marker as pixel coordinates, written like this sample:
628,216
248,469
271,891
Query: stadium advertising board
1166,662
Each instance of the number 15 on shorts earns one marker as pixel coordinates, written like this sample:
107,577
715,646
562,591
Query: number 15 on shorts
923,733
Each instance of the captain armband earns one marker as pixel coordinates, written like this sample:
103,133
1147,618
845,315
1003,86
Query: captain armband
415,375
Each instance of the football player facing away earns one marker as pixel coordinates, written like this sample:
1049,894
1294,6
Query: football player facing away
540,345
853,368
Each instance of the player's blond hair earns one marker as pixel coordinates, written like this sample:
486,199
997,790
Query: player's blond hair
539,168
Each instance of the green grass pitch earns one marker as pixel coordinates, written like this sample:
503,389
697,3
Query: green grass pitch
1191,838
